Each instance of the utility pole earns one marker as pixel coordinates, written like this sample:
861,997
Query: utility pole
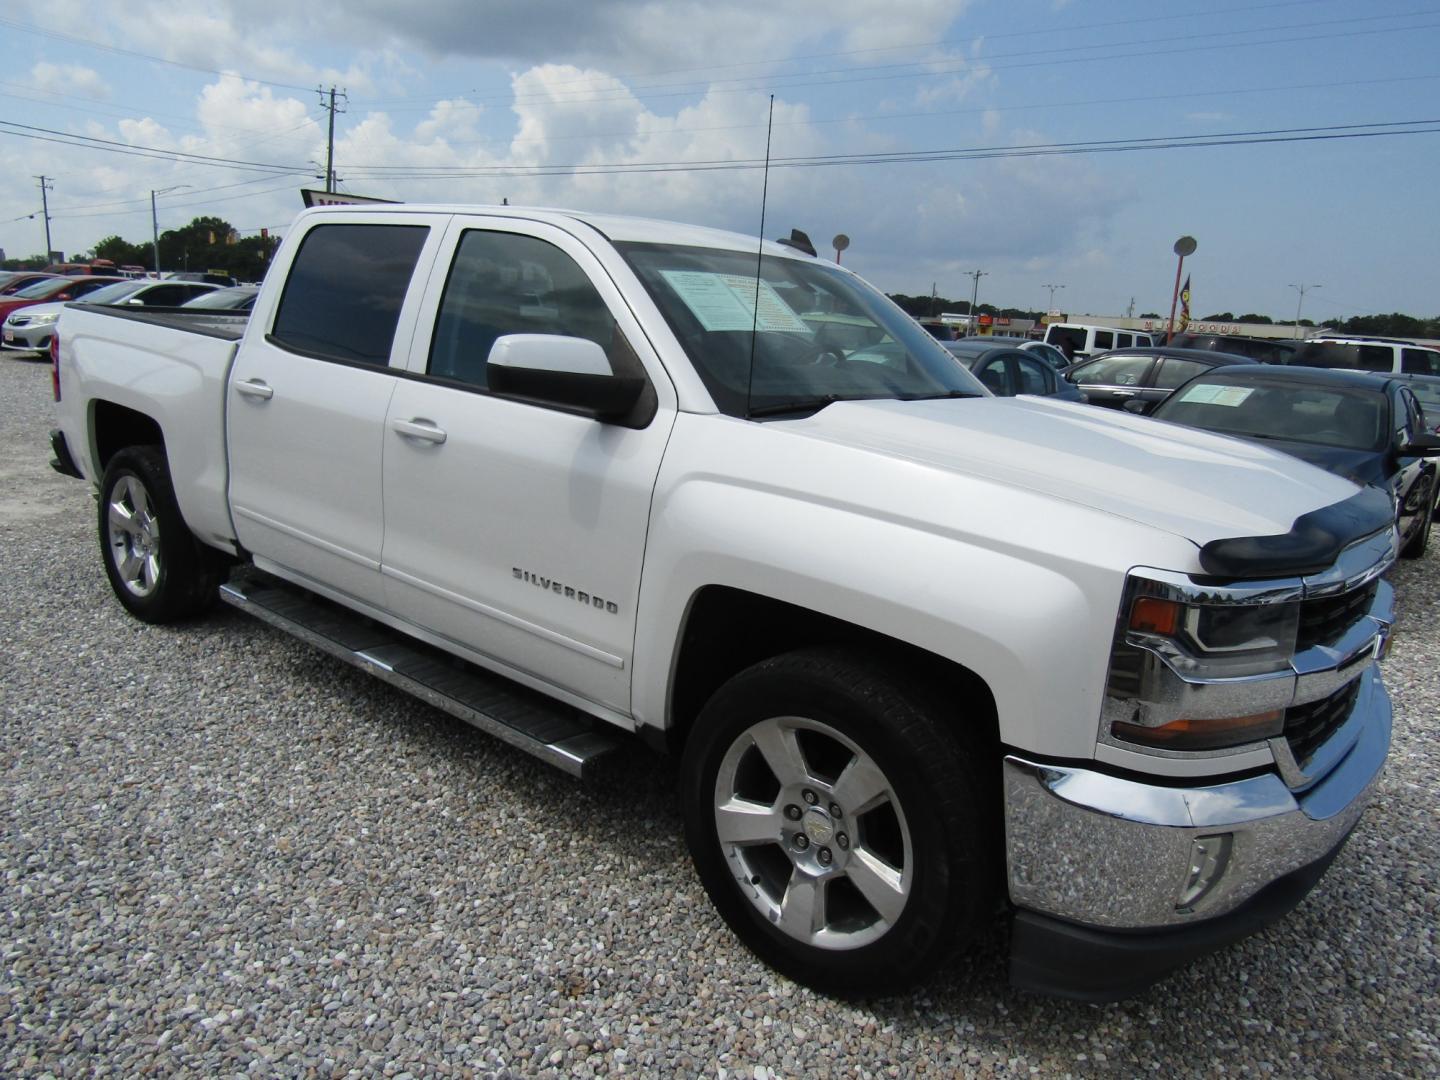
45,187
1303,290
972,328
332,108
1130,311
1052,289
155,223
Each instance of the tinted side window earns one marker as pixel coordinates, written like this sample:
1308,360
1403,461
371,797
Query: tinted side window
166,296
1124,341
1031,376
1104,339
1174,371
1113,371
1376,357
502,283
1420,361
992,374
343,295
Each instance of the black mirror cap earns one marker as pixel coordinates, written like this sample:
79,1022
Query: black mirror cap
1313,543
614,399
1139,406
1422,446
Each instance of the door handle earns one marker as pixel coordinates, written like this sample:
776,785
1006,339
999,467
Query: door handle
1123,393
417,428
256,388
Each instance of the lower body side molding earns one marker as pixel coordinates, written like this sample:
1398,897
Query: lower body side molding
524,718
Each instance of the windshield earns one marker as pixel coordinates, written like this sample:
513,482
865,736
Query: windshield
44,288
1351,419
821,335
108,294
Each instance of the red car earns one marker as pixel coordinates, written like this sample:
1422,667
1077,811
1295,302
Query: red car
12,281
52,290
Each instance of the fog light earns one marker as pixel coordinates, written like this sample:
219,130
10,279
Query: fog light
1209,855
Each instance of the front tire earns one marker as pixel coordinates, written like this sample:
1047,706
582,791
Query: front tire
843,825
156,567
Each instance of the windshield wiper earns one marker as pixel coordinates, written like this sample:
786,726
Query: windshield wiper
810,404
938,395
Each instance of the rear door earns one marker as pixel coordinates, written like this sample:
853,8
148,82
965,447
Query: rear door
514,529
307,398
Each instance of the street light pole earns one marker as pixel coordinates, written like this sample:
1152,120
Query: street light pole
1303,290
155,223
1052,289
1184,246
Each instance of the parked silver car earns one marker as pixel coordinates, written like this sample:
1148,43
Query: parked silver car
29,329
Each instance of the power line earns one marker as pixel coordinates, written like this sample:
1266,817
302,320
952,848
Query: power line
948,154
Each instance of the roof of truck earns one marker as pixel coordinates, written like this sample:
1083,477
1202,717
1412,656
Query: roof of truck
615,227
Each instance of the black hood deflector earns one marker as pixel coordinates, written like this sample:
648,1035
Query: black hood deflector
1313,543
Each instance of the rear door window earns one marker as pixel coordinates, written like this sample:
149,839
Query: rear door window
1174,371
1032,376
1114,371
1375,357
344,291
1104,339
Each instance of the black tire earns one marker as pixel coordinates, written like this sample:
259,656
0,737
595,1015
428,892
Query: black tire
936,835
157,568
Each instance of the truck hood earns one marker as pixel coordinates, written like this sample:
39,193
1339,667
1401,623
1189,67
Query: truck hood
1190,483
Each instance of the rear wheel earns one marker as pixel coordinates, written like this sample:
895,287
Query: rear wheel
156,567
844,833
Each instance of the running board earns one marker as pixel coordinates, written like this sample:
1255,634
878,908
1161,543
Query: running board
524,718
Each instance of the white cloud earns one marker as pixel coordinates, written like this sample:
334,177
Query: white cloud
69,79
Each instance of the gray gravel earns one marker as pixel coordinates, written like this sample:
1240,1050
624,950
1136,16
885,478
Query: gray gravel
225,854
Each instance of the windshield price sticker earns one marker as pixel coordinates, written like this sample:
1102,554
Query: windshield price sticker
1229,396
727,302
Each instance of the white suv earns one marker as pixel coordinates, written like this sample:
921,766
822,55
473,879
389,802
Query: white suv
1389,355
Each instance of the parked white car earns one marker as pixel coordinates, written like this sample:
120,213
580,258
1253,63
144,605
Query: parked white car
29,329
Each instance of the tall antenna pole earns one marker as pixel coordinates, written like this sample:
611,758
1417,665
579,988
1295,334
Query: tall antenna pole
333,108
759,256
45,187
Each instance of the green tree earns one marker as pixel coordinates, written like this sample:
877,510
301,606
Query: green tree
1224,316
1252,317
122,252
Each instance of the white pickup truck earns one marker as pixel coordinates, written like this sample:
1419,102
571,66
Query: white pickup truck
925,654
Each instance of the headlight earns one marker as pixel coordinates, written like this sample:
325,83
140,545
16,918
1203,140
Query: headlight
1196,669
41,320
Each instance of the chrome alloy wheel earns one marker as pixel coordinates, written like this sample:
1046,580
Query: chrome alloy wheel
134,536
813,832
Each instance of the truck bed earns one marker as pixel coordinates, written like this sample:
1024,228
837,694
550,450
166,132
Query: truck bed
220,324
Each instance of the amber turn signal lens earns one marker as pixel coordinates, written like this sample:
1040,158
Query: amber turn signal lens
1151,615
1187,734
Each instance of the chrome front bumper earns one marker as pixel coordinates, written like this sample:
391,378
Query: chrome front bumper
1103,851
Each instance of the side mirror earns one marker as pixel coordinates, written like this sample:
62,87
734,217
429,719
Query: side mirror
567,373
1138,406
1422,446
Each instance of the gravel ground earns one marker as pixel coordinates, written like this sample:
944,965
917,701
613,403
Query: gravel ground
225,854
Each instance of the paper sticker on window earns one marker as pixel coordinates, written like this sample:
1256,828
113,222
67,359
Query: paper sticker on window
727,302
1229,396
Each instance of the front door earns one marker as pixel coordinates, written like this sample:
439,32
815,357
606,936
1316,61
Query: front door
512,529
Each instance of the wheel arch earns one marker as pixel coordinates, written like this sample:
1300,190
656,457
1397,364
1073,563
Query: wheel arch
727,629
114,427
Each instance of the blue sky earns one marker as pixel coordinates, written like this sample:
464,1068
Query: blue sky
634,107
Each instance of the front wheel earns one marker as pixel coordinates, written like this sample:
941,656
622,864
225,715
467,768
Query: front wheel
156,567
843,830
